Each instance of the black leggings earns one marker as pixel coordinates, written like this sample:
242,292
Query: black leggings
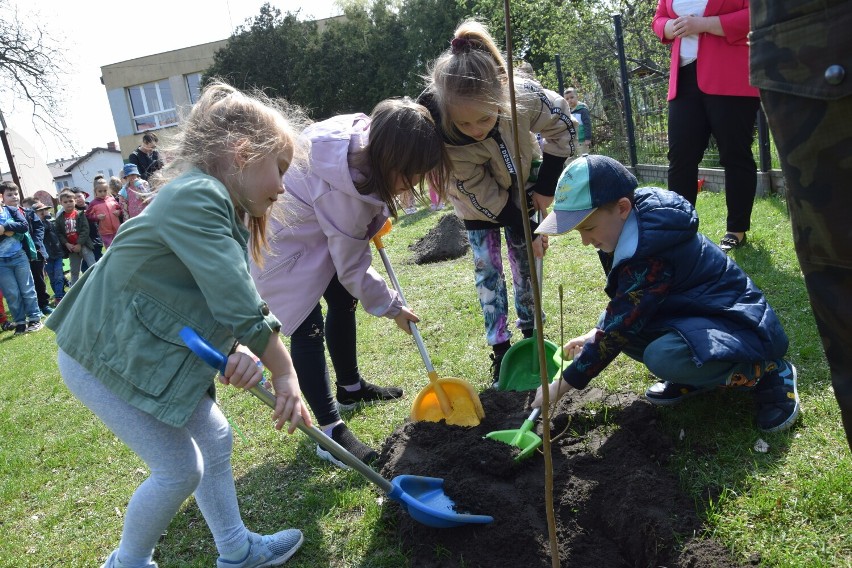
307,348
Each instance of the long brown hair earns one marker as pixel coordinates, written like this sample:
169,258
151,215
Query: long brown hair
404,140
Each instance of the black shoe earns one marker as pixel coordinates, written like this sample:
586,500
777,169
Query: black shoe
496,361
20,329
367,394
33,326
665,393
343,436
730,241
776,398
8,325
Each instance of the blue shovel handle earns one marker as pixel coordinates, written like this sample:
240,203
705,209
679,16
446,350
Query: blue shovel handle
205,351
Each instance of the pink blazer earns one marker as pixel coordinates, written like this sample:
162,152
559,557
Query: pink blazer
722,60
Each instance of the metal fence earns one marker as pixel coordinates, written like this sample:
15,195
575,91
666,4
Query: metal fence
630,118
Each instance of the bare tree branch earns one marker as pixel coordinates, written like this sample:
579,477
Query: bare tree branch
31,68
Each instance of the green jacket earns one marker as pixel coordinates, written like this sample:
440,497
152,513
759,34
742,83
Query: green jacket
183,262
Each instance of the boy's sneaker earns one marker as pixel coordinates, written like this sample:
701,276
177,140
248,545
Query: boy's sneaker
665,393
33,326
343,436
776,398
20,329
112,561
8,325
367,394
269,550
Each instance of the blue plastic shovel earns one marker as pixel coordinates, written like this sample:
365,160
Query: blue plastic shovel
422,497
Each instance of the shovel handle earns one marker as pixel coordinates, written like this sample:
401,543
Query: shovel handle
526,426
443,399
418,339
217,360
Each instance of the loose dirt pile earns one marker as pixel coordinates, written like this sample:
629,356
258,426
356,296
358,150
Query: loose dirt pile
615,502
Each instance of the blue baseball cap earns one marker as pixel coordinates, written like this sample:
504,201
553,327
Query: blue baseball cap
587,183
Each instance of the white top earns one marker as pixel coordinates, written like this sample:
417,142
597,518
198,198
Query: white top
689,44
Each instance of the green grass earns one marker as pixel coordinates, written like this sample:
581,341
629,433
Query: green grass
65,480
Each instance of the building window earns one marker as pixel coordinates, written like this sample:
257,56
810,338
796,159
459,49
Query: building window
153,106
193,86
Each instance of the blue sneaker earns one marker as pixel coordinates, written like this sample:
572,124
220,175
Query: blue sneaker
112,561
269,550
776,398
665,393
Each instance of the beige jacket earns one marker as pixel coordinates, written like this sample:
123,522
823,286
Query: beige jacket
481,178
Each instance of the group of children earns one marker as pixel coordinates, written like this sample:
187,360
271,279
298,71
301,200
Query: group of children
79,233
224,249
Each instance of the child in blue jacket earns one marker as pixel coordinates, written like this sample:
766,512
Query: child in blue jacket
678,304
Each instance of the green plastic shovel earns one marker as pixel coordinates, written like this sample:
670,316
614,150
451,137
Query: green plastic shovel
521,438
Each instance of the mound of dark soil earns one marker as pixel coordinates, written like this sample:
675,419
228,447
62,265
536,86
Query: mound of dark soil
615,502
445,241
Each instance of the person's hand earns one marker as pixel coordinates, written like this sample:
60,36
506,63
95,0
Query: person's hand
241,371
116,212
540,245
70,247
403,318
8,233
77,248
541,202
557,390
289,406
573,348
101,216
688,25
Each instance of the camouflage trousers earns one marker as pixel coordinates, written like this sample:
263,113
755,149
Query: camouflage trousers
814,140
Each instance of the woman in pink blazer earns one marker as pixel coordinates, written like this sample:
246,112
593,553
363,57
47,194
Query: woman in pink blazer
709,94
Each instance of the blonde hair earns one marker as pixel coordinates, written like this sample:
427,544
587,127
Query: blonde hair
115,184
472,70
225,121
404,140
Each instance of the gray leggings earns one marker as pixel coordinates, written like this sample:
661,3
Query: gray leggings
195,458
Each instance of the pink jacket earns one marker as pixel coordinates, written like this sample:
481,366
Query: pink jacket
722,60
322,225
110,223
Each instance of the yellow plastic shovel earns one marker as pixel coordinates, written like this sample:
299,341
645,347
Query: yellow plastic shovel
448,398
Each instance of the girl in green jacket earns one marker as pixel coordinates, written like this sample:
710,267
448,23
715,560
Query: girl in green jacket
184,262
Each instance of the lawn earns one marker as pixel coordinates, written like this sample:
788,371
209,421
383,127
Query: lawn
65,480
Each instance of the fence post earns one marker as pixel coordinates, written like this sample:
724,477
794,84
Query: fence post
763,149
559,80
625,88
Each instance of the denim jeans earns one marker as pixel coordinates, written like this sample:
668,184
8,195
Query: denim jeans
53,267
16,280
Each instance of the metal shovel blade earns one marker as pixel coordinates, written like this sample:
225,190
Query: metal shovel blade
422,497
521,438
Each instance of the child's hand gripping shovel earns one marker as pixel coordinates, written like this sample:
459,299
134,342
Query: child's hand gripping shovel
448,398
422,497
522,438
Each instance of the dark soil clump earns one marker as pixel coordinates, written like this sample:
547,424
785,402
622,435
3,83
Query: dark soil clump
445,241
615,502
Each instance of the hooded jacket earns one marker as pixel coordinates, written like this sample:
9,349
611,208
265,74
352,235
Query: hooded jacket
483,170
323,226
710,301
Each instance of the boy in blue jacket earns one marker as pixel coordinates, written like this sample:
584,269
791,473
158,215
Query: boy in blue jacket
678,304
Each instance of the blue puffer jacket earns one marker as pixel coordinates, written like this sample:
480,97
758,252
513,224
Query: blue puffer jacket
712,303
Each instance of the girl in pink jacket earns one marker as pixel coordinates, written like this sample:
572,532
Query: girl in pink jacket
359,165
105,211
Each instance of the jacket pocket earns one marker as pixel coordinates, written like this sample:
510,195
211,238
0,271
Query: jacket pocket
150,353
275,265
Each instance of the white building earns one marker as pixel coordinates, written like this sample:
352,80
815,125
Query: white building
99,161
